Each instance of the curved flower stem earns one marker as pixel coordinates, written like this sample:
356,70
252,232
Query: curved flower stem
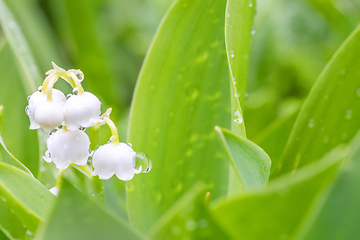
48,85
115,136
71,73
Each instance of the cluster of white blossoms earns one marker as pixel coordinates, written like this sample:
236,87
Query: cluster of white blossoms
67,118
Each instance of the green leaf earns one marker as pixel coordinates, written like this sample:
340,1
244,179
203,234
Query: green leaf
251,165
338,213
181,94
28,198
21,48
8,158
273,138
279,210
238,26
330,114
188,218
20,141
75,216
37,31
10,225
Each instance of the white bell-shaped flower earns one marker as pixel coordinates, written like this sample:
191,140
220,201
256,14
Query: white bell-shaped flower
65,147
118,159
49,115
82,110
38,98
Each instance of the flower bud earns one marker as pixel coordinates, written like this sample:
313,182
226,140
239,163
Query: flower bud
118,159
65,147
82,110
38,98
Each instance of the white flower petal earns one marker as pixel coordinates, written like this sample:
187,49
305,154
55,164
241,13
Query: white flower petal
82,110
38,98
112,159
49,115
65,147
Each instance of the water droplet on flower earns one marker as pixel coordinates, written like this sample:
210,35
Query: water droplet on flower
80,77
75,91
68,96
112,138
311,123
129,144
348,115
27,110
82,128
91,153
40,88
142,163
102,120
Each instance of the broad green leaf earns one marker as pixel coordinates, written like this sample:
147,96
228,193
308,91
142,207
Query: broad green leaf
8,158
251,165
273,139
181,94
21,48
75,216
277,212
10,225
20,141
329,114
27,197
338,214
188,218
37,31
238,27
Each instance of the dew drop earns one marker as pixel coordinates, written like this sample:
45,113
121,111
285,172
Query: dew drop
191,225
232,53
142,163
40,88
237,117
28,98
348,115
75,91
129,144
47,154
82,128
250,4
253,31
311,123
228,15
27,110
68,96
80,77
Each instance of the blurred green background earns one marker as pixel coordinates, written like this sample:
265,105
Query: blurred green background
108,40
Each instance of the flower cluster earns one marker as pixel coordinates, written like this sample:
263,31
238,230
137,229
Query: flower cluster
67,118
